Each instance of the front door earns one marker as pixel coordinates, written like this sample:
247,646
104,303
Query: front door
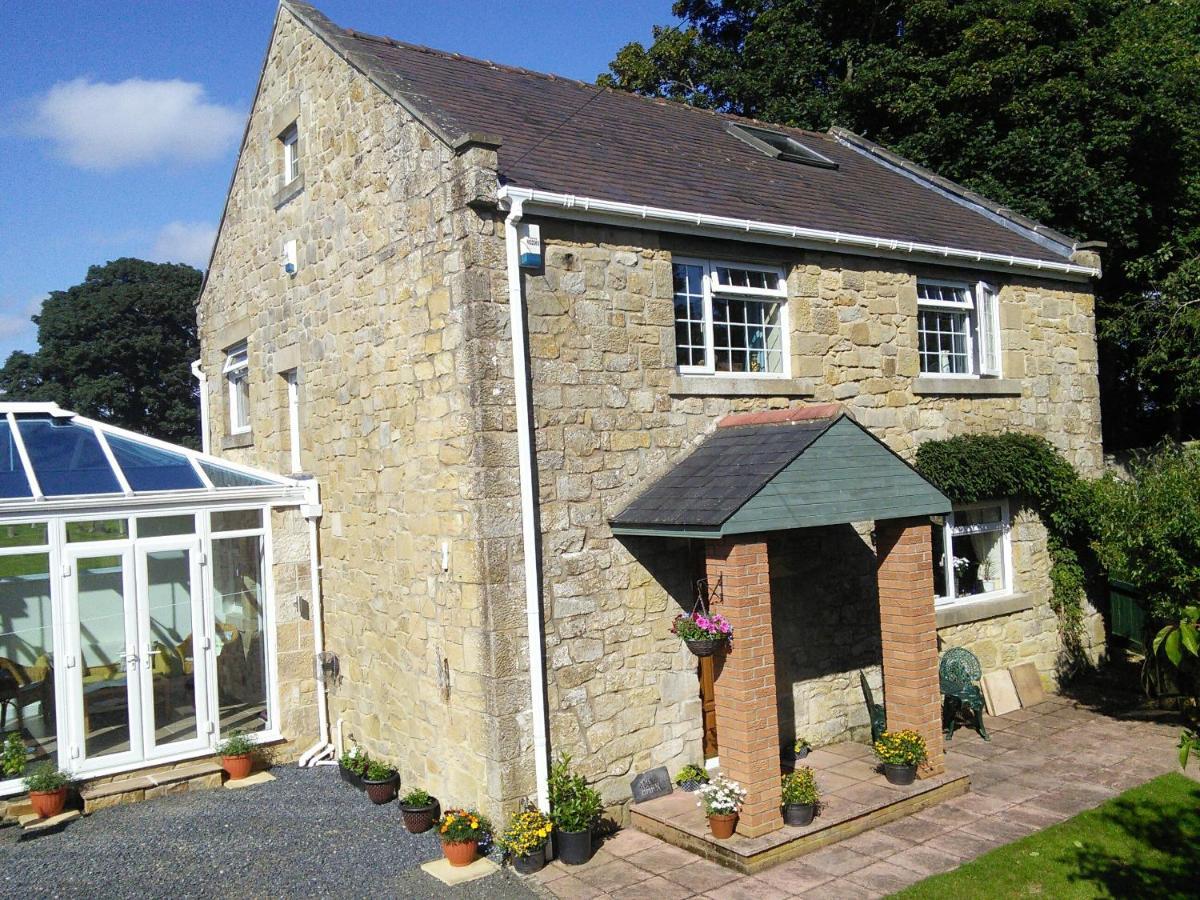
708,706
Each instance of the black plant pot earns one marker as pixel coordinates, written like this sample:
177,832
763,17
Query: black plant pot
706,647
350,777
574,847
691,785
527,865
803,752
898,774
799,814
382,791
419,819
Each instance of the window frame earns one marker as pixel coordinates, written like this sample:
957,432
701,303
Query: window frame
237,379
710,288
290,139
982,334
949,530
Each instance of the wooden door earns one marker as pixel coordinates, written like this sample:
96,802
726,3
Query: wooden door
708,706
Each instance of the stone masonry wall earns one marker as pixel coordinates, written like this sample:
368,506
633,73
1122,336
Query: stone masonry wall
378,323
293,630
612,415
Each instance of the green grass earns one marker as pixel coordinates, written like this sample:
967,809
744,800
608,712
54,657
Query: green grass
1144,843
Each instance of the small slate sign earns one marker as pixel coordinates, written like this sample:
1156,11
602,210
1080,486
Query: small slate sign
648,785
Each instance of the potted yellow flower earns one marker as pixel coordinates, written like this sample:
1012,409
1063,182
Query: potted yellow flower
525,839
460,831
900,752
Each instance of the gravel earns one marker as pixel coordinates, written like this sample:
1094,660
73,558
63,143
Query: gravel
307,834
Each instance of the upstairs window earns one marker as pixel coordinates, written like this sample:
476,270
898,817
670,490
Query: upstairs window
958,329
237,371
972,553
290,139
730,318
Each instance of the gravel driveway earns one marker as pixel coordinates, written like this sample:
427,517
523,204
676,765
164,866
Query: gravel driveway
305,835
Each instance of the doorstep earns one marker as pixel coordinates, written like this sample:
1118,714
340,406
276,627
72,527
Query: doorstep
855,799
192,776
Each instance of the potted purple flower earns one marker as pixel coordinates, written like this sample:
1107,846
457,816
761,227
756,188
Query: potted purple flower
703,635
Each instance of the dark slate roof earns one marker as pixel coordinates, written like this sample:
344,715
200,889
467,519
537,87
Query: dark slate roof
570,137
720,476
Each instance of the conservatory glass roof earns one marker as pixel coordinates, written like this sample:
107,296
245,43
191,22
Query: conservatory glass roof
46,452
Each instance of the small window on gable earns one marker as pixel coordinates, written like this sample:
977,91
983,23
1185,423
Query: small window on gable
781,146
237,371
290,139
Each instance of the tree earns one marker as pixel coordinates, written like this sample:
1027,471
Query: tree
118,348
1079,113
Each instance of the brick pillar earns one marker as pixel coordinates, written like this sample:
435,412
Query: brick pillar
747,717
911,692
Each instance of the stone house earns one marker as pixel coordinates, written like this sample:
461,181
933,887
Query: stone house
493,590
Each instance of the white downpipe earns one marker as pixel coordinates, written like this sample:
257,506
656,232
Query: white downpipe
533,610
312,513
199,375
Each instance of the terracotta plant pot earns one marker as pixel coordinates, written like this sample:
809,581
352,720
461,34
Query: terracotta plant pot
705,647
722,826
899,774
574,847
527,865
237,767
351,778
382,791
48,803
418,819
460,853
799,814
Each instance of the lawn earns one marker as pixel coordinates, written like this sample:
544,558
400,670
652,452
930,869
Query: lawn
1144,843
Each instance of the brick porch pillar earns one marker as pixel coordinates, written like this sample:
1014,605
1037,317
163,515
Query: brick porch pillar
908,625
747,717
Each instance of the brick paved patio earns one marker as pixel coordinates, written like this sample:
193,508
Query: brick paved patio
1043,764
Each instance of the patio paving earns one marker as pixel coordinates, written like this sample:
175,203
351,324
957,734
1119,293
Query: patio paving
1044,764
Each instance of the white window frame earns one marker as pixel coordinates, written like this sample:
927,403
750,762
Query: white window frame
982,309
290,138
710,287
949,530
237,380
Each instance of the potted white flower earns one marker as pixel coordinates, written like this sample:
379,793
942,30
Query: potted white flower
722,799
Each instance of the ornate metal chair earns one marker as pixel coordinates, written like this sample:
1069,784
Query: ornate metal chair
959,674
874,710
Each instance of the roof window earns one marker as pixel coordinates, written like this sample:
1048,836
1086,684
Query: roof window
778,145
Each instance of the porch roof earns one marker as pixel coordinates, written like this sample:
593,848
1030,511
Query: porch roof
774,471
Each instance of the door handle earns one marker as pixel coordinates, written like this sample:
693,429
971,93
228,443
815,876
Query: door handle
131,659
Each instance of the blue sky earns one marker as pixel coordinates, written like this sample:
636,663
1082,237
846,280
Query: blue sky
119,121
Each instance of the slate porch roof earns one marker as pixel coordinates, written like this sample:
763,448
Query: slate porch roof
566,136
774,472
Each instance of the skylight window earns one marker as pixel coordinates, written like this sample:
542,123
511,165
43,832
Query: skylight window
780,146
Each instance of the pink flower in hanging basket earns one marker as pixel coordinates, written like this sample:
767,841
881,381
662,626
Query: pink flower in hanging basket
699,627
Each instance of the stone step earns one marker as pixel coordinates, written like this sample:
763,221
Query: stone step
32,824
146,786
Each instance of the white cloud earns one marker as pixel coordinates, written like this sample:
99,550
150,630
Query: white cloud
186,242
15,326
106,126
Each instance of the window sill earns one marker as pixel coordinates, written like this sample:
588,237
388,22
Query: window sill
289,191
968,611
719,386
981,387
234,441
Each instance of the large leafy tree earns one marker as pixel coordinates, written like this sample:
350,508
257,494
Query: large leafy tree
1079,113
118,348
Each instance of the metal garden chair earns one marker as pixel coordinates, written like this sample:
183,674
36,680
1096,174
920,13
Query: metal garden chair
959,674
874,710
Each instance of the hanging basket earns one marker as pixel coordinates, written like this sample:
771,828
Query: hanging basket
706,647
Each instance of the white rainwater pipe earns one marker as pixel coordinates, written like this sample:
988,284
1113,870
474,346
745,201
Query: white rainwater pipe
318,752
533,608
198,374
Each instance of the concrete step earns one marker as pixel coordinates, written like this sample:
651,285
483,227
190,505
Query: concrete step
32,824
139,786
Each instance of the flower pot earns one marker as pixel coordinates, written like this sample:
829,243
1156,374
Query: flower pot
351,777
48,803
691,785
418,819
460,853
722,825
803,752
527,865
574,847
899,774
706,647
799,814
237,767
382,791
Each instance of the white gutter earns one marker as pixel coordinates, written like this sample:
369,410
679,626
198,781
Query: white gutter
586,208
311,511
199,375
529,538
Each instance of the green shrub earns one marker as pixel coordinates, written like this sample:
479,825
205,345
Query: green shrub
800,786
237,744
691,772
417,798
46,778
14,756
379,771
355,760
573,805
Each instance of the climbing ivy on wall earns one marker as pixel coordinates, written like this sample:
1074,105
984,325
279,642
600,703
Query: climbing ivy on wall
976,467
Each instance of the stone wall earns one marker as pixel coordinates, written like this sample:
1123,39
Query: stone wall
291,575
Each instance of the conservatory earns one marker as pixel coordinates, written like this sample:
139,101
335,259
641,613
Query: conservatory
137,613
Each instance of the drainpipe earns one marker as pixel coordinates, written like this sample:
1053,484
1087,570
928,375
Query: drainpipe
529,537
311,511
198,374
